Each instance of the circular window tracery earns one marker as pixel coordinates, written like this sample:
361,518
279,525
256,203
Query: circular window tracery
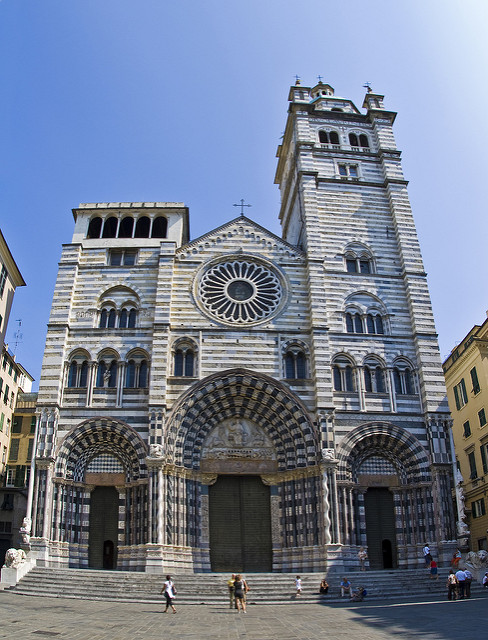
240,291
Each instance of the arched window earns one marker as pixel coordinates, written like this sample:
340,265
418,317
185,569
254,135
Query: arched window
127,318
374,377
142,227
143,369
72,375
136,371
358,263
130,374
354,323
329,137
363,141
343,374
110,227
184,361
123,319
107,374
295,365
111,319
103,319
159,227
126,227
403,380
353,140
375,324
78,374
94,228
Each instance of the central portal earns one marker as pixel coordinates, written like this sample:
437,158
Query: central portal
240,525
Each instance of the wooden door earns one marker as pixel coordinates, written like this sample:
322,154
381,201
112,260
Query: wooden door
240,525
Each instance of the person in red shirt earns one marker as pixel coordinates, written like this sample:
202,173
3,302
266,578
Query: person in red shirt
433,570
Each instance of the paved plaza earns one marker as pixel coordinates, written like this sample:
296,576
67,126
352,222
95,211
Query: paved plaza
34,617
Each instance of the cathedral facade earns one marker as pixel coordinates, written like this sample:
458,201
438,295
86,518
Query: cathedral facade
243,401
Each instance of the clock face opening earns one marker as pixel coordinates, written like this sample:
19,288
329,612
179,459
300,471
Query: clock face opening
240,292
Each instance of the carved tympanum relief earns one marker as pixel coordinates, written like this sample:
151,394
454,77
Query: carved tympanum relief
238,438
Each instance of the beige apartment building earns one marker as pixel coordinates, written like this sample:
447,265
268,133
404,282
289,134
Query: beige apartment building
10,279
13,495
466,373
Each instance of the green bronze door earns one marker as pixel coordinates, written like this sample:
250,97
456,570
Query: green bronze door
240,524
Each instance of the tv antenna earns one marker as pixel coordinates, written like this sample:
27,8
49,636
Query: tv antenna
18,335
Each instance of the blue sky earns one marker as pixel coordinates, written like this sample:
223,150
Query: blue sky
146,100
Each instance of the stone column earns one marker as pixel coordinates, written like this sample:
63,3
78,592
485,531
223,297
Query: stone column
90,382
206,479
120,382
361,389
58,511
329,500
391,389
155,464
48,466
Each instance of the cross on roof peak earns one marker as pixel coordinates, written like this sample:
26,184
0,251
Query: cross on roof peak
242,205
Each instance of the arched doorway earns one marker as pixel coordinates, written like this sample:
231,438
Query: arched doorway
102,464
104,516
243,425
240,524
385,475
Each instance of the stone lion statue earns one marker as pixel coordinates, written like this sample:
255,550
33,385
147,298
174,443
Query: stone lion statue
14,558
156,451
328,455
478,559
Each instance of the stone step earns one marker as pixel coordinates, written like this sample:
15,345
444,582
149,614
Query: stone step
271,588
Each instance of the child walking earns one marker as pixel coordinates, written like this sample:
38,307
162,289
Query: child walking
298,585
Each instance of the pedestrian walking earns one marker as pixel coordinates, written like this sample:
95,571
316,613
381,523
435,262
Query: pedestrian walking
456,558
230,585
433,570
298,585
239,594
169,591
427,556
451,585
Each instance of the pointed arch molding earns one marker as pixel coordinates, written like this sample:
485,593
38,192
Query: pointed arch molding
387,440
101,435
246,394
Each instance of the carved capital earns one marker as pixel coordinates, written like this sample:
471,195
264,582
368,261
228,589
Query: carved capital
208,478
271,479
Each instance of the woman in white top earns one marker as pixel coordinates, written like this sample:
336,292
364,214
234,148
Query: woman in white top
169,591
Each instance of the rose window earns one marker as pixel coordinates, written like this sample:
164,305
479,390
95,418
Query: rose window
240,292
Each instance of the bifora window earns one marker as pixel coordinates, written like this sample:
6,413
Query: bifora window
241,292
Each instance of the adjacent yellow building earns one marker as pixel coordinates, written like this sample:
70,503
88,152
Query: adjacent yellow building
466,373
